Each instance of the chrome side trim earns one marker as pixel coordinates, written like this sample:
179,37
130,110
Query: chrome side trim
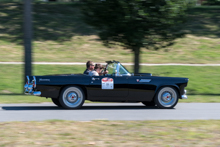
47,80
145,80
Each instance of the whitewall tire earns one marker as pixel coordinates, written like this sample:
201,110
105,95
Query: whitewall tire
166,98
72,97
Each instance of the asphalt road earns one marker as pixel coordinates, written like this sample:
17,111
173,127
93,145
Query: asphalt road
108,111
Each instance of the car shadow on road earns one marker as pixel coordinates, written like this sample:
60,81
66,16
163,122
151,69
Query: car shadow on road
24,108
116,107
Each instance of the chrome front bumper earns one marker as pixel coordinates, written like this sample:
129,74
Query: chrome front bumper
184,96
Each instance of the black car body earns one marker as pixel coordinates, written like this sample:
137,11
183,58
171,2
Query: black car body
70,90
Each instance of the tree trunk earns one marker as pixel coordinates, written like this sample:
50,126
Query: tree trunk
27,38
136,59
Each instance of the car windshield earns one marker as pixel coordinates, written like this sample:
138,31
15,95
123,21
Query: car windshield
112,67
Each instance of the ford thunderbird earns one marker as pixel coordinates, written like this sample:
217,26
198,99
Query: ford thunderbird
119,85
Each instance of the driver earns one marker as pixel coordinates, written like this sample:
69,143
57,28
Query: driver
98,71
90,67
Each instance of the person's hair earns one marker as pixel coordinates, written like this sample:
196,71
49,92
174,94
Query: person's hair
88,63
98,66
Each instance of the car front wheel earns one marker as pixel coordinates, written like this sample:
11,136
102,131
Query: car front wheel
72,97
166,98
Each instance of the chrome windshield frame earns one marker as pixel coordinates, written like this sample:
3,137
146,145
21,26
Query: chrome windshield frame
117,71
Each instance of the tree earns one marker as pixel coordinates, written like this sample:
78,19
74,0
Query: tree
135,23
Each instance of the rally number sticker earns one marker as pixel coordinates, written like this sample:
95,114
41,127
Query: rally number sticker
107,83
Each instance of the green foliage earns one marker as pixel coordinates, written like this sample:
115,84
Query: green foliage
135,22
211,2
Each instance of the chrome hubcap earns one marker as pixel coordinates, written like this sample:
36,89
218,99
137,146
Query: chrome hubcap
72,97
166,97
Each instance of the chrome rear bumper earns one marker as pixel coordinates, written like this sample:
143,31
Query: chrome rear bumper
36,93
30,86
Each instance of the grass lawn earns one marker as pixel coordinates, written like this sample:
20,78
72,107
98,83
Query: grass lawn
22,99
203,83
102,133
60,35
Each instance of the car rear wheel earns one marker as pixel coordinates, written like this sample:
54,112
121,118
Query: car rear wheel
72,97
166,98
152,103
56,102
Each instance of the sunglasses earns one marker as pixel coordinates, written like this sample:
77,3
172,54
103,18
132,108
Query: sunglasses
92,65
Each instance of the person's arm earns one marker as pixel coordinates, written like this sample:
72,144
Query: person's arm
105,72
93,73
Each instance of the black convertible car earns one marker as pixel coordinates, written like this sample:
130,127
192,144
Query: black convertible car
71,90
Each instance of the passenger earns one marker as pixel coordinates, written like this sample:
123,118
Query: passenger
90,67
98,71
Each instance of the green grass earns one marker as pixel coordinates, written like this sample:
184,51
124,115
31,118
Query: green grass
201,99
60,35
16,98
203,83
102,133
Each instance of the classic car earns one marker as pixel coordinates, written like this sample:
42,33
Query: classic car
119,85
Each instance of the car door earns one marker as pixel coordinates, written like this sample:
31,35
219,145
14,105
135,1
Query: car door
120,87
95,89
141,88
108,88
